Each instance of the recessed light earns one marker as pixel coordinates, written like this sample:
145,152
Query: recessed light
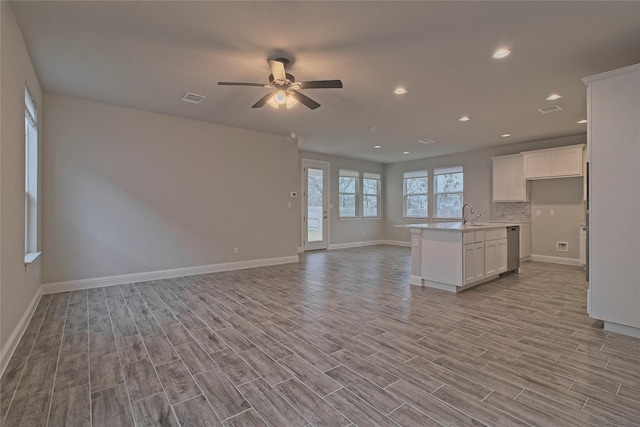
426,141
583,121
505,135
553,97
377,146
501,53
406,152
464,119
400,91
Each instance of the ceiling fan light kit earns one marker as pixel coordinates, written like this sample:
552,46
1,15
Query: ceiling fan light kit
285,89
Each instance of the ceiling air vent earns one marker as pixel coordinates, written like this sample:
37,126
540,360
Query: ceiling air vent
193,98
550,109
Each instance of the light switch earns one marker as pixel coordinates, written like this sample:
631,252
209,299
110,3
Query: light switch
552,212
538,212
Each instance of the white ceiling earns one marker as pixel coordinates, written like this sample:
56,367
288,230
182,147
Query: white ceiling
147,54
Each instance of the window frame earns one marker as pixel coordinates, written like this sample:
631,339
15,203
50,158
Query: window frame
355,175
416,174
31,179
370,176
438,172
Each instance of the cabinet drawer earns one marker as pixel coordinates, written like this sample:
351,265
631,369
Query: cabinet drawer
500,233
474,237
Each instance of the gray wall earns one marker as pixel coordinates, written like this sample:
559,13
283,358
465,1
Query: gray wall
18,284
128,191
564,196
347,230
477,180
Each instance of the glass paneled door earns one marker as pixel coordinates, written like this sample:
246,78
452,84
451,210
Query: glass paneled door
315,195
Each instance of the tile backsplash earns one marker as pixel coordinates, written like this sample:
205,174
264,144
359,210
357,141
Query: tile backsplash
516,211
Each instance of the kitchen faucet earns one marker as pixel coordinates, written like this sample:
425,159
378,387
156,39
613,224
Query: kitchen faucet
475,218
464,220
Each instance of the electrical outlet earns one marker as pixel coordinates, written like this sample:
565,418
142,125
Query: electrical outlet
235,250
552,212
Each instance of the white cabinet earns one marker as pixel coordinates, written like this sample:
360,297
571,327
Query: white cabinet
495,257
509,184
614,201
554,162
484,254
454,257
537,164
495,252
473,259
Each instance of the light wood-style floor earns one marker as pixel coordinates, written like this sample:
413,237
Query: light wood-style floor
338,339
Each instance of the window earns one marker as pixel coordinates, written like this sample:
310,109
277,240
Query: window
347,193
447,192
415,186
30,178
370,194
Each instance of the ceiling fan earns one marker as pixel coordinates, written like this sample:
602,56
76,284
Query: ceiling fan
285,88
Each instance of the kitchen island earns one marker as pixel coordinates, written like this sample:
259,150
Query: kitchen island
454,256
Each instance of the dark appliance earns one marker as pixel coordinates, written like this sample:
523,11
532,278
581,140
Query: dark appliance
513,248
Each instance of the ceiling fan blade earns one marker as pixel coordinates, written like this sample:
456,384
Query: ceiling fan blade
321,84
277,70
242,84
262,100
303,99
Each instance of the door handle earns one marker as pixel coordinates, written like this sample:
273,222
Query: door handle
324,215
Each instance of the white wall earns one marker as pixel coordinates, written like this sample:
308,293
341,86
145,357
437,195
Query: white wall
563,196
128,191
343,231
18,284
477,180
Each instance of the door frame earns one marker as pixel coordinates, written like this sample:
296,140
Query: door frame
326,188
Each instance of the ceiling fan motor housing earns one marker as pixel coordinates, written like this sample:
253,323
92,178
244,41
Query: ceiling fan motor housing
290,80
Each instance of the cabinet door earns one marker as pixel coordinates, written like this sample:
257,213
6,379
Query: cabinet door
537,165
473,255
469,273
501,256
479,261
516,185
500,179
495,257
490,258
566,162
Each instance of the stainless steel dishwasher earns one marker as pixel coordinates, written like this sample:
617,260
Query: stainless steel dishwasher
513,248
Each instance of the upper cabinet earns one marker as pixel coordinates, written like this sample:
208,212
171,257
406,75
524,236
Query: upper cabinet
554,162
509,184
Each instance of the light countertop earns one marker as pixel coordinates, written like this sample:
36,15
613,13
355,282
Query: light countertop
459,226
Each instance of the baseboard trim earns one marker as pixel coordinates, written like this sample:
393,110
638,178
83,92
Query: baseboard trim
555,260
368,243
396,243
622,329
99,282
18,331
355,244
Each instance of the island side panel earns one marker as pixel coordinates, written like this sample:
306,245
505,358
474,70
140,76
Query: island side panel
416,258
442,259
